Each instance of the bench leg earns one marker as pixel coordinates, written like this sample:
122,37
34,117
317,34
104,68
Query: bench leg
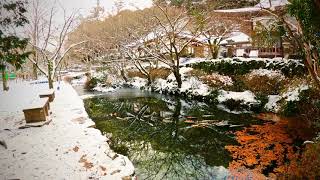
46,109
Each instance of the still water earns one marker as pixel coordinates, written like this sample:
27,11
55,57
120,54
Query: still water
172,138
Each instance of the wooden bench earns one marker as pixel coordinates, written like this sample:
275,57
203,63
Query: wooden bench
37,110
48,93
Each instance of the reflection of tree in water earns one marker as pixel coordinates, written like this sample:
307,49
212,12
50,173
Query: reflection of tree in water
158,141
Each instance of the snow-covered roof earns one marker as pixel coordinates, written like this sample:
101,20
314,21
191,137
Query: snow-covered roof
264,4
237,37
274,3
239,10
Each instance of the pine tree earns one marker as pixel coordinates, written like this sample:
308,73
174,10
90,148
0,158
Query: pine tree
11,46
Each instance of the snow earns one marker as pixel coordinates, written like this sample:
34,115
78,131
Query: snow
190,85
79,82
239,10
264,4
247,96
269,62
293,93
274,3
266,72
186,61
237,37
224,108
54,151
217,78
272,103
138,82
99,88
194,86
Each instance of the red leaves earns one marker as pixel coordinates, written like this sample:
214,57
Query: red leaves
263,148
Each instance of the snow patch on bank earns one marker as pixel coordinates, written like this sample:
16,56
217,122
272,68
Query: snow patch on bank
272,103
247,97
190,85
138,82
64,149
293,93
195,87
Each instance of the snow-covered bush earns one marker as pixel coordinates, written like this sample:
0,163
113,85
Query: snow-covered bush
264,81
238,101
138,82
217,80
191,85
291,98
241,66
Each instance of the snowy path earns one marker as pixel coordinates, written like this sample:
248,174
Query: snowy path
64,149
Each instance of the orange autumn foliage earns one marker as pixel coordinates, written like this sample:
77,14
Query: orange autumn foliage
266,148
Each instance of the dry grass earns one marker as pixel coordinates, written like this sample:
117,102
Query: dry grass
264,84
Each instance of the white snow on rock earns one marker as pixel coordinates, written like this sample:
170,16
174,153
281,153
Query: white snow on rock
99,88
224,108
247,96
138,82
272,103
64,149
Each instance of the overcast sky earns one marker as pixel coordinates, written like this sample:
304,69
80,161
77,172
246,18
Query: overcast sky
82,6
85,6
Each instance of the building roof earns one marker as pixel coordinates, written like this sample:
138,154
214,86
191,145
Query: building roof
236,38
264,4
274,3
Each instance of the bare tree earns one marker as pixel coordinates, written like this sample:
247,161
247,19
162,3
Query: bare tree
36,15
52,37
214,32
171,37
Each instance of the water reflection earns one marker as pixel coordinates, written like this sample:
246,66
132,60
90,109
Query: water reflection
164,137
171,138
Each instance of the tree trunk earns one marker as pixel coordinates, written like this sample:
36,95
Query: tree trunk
177,75
308,62
50,78
4,80
214,49
35,54
149,80
35,72
123,75
281,47
176,118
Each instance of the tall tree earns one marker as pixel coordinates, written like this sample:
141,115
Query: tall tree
12,16
53,38
174,33
302,31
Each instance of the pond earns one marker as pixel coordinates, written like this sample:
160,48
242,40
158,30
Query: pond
171,138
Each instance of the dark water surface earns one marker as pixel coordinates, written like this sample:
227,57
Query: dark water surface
171,138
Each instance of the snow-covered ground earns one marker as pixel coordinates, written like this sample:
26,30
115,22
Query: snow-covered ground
67,148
